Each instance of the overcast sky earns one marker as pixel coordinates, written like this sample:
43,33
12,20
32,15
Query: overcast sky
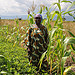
20,7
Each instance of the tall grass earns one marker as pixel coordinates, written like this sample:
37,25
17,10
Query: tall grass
57,51
60,46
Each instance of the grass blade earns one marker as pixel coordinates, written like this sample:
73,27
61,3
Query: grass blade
3,72
41,59
67,69
71,33
73,47
53,13
62,64
66,1
68,40
69,11
46,8
67,53
70,6
52,32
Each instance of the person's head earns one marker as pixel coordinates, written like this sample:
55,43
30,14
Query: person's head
38,19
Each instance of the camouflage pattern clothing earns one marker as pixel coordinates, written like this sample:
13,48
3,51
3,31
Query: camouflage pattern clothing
37,40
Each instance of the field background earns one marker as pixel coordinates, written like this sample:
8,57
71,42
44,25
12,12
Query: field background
18,55
70,25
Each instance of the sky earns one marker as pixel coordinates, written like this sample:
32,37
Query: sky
20,7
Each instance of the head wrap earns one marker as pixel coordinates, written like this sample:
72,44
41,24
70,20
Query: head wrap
38,15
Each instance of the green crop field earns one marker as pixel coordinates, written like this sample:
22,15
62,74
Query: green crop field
14,52
61,49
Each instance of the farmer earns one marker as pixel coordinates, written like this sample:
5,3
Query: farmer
37,41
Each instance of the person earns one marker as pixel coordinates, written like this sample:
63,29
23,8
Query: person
37,41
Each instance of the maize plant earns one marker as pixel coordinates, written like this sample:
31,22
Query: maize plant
58,50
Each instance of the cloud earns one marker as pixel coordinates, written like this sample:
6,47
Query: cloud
20,7
10,7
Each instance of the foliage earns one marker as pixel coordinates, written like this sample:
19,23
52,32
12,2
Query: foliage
14,59
57,52
15,56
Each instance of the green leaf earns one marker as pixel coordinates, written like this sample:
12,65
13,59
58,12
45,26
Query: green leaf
51,6
58,4
68,40
67,69
53,13
67,53
73,59
62,64
31,20
17,23
73,47
66,1
1,56
30,15
3,72
54,67
71,33
41,59
70,14
40,10
58,1
69,11
56,21
52,32
70,6
46,8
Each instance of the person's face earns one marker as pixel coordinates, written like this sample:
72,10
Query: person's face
38,20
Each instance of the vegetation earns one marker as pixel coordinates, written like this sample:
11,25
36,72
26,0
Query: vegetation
13,57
